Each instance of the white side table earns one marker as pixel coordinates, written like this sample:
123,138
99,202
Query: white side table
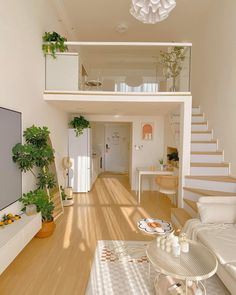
197,265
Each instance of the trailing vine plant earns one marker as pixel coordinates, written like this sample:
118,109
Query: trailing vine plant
53,42
79,124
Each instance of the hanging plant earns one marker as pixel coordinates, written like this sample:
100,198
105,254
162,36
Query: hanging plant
53,42
79,124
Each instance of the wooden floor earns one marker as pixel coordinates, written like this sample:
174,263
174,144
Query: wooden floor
61,264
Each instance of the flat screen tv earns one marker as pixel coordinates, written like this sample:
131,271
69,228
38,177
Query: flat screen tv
10,175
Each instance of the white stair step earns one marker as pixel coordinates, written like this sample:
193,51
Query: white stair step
194,194
218,183
191,208
197,118
201,146
196,110
207,157
203,126
201,136
210,169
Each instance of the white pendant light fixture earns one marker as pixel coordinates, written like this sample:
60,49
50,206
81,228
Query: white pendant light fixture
151,11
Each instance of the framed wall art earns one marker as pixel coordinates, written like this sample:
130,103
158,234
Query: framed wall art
147,131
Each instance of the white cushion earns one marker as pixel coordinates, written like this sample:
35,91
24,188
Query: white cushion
217,213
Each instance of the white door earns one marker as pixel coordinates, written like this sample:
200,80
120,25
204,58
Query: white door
117,147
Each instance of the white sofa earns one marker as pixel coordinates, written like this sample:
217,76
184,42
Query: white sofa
218,236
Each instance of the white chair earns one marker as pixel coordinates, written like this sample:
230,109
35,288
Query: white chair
168,185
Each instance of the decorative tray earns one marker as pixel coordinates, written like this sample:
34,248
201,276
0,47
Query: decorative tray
155,226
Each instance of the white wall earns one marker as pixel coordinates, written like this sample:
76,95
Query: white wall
22,24
214,74
98,140
151,151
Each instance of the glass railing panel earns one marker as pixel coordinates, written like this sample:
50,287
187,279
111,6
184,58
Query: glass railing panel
139,69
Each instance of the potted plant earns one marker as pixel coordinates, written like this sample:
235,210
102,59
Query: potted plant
40,199
173,63
79,124
161,161
35,156
53,42
173,158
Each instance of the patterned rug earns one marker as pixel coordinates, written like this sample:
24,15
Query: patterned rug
121,267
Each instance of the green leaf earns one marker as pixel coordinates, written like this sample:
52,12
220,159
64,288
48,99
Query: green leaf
79,124
53,43
40,199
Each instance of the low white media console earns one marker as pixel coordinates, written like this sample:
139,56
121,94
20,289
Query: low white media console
14,237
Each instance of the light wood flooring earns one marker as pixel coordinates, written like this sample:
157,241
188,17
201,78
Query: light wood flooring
60,265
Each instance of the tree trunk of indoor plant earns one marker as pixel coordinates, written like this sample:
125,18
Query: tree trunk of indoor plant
174,84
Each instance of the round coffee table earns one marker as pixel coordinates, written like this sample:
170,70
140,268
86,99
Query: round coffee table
197,265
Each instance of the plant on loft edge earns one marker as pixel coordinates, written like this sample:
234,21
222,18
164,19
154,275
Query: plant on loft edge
173,63
79,124
53,42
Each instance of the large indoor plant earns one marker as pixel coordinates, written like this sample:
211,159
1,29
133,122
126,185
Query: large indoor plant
79,124
43,205
53,42
172,62
35,156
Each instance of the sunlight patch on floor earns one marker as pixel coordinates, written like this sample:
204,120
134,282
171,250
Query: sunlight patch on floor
68,230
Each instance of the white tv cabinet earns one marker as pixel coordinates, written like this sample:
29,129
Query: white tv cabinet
14,237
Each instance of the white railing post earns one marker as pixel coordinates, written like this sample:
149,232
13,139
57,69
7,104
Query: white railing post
185,145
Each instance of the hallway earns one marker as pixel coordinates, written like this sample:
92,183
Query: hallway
61,264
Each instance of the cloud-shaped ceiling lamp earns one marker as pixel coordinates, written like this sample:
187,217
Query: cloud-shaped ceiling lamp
151,11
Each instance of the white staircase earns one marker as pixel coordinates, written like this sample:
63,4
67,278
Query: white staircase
209,174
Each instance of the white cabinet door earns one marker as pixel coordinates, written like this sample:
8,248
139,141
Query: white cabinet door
62,72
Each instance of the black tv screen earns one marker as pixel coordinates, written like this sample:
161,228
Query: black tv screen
10,175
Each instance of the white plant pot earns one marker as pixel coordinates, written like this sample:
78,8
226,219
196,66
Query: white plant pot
69,192
69,199
67,203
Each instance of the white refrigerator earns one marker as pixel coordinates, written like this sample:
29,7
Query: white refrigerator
80,154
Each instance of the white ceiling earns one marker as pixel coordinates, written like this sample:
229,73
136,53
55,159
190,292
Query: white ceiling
97,20
116,108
